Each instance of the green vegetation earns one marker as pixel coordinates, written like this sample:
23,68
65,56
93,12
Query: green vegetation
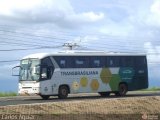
152,89
7,94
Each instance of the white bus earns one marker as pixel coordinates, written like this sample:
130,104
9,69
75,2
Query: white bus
71,72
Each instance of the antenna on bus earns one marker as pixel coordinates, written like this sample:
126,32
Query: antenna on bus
70,45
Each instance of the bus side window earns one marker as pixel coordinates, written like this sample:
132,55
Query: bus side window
62,63
81,62
140,61
110,62
113,61
127,61
97,61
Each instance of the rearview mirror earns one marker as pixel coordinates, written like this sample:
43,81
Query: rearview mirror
15,71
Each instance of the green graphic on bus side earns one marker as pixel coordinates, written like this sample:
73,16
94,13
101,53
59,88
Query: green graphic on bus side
126,74
114,82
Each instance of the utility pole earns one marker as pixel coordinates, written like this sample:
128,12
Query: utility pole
70,45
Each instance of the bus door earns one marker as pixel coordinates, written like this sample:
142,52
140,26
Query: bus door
47,69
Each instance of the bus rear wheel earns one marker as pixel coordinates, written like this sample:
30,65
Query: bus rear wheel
104,94
122,90
63,92
45,97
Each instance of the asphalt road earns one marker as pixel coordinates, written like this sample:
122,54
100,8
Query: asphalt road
18,100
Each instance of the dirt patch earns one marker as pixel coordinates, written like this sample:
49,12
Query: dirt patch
113,108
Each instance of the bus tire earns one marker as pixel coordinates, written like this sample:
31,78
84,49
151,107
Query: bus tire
122,90
63,92
104,94
45,97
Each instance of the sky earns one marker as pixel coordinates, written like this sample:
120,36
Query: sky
31,26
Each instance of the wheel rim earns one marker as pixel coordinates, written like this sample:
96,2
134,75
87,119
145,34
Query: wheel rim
122,89
64,92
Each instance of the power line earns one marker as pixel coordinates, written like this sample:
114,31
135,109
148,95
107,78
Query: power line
5,61
26,43
33,38
112,44
18,43
51,47
38,36
108,46
100,36
113,38
10,40
113,48
48,47
60,32
79,33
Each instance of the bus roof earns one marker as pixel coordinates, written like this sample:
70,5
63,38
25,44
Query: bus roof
81,53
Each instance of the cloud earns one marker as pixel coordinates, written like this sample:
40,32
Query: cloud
154,15
131,18
59,12
34,9
90,16
116,29
153,53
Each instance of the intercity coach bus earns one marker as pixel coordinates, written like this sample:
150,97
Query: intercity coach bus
71,72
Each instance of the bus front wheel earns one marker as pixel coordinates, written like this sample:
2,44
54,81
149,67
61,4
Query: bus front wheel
122,90
63,92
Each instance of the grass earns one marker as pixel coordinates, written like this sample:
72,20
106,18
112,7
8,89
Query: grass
7,94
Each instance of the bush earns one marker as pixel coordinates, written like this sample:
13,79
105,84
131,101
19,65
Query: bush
7,94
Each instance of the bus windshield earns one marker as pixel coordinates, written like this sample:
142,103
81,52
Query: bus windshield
29,70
